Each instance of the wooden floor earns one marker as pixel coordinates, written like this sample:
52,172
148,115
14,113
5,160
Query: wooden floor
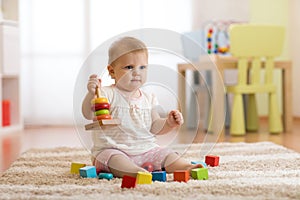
13,144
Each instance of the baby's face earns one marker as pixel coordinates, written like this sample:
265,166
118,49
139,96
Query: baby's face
130,71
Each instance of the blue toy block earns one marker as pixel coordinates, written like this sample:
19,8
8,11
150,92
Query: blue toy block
88,172
200,162
159,176
107,176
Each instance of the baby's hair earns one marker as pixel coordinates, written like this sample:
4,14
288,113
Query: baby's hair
123,46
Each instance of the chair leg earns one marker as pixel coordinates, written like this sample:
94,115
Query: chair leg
227,110
237,124
252,116
275,121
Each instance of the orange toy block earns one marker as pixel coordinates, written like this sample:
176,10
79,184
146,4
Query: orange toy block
212,160
181,175
144,178
128,182
75,167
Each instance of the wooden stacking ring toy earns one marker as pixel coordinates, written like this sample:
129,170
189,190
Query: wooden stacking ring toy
100,106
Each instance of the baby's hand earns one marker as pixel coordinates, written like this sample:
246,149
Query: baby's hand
93,83
175,118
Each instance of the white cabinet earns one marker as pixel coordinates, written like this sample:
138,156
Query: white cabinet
10,76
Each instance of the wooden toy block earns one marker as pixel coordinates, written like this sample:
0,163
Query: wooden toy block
212,160
107,176
128,182
200,173
75,167
159,176
199,162
88,172
144,178
97,124
181,175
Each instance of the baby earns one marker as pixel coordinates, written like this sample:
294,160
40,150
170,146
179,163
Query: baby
123,149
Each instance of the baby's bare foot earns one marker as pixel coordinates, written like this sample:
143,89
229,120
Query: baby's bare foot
194,166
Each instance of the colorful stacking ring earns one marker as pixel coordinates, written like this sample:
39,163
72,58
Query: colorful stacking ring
100,106
101,117
99,100
102,112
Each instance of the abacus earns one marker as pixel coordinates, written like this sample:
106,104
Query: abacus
100,107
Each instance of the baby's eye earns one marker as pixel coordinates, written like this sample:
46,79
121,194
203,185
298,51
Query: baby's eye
128,67
143,67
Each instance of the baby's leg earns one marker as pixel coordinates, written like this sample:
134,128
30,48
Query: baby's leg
175,162
120,165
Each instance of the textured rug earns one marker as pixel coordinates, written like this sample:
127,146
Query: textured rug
246,171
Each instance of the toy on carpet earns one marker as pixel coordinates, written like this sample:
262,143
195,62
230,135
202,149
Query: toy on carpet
88,172
200,173
144,178
212,160
181,175
107,176
128,182
75,167
159,176
100,107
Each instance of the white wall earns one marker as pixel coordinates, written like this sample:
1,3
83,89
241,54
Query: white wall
219,10
57,35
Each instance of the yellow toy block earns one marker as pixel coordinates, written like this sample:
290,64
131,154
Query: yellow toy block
144,178
75,167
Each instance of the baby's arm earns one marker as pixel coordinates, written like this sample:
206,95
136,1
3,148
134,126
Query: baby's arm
165,125
93,83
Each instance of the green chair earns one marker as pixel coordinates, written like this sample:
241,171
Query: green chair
255,43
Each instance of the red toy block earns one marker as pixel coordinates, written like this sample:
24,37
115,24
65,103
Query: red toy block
128,182
212,160
181,175
5,113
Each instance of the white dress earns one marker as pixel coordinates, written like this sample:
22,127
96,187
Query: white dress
133,135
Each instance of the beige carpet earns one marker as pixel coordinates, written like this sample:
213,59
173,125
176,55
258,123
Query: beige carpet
247,171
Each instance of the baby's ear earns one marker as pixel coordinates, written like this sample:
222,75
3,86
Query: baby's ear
111,71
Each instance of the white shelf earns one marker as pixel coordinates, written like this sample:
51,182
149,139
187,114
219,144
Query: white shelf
11,129
10,75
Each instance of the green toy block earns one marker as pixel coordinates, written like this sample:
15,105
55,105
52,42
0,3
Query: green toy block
200,173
